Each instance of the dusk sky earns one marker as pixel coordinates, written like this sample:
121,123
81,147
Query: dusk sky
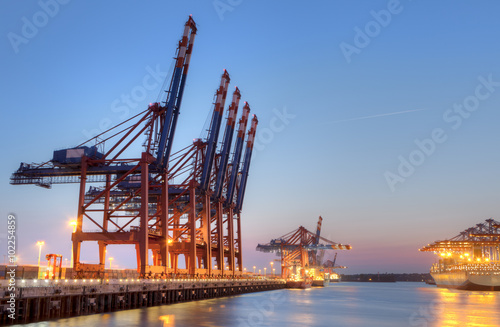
380,116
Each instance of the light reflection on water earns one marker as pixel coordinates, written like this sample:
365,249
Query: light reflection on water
462,308
343,304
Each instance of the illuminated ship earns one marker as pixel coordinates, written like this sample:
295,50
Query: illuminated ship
470,260
299,282
334,277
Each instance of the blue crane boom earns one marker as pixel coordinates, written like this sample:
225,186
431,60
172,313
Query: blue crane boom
226,146
235,165
175,93
213,134
246,164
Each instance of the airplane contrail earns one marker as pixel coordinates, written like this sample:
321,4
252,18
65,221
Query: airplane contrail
375,116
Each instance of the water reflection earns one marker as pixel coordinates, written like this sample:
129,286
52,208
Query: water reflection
168,320
467,308
344,304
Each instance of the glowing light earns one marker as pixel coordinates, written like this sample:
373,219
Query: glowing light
168,320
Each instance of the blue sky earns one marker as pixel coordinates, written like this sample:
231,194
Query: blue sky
70,76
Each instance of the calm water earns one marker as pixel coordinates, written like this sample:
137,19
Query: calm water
344,304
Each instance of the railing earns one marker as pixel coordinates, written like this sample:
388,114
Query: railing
130,281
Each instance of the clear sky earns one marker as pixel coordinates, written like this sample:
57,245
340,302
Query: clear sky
381,116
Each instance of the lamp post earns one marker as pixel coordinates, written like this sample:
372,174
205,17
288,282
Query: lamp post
272,263
39,243
273,271
265,271
110,260
254,270
72,223
259,271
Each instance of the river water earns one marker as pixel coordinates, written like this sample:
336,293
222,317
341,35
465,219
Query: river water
340,304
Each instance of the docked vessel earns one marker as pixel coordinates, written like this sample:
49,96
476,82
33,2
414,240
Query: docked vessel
470,260
321,281
299,283
334,278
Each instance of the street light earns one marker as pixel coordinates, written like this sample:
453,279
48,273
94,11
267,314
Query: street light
39,243
110,259
273,271
272,263
72,223
265,271
259,271
254,270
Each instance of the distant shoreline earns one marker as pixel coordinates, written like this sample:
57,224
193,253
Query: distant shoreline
386,277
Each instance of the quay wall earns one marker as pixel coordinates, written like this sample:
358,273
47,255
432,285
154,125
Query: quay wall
38,300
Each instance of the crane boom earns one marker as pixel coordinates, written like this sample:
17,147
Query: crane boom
175,93
246,163
237,154
213,135
228,140
318,230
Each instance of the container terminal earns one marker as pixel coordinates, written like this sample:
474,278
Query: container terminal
181,205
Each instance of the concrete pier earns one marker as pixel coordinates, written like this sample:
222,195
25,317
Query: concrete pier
38,300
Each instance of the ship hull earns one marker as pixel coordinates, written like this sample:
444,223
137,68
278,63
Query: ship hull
321,282
299,284
462,280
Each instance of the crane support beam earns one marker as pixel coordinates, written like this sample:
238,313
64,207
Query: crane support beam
237,155
213,135
246,164
226,146
175,93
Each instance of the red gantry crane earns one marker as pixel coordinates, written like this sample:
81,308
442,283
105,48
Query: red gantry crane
181,204
298,250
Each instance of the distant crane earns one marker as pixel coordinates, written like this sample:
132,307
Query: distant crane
296,248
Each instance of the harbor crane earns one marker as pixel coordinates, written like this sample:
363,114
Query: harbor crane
298,248
175,204
480,241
